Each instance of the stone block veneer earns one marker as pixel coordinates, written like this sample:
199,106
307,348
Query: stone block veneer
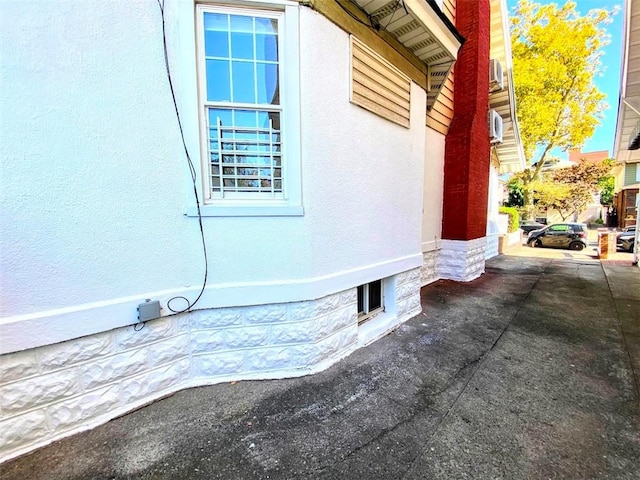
462,260
407,295
493,243
429,270
54,391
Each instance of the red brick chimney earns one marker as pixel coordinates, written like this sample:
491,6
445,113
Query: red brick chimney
467,147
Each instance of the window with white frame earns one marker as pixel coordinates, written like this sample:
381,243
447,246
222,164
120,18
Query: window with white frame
244,117
370,300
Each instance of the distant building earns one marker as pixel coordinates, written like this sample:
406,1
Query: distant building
627,141
576,155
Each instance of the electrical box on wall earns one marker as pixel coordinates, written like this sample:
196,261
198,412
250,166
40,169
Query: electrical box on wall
149,310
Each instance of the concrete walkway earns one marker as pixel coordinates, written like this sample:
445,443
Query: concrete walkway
524,373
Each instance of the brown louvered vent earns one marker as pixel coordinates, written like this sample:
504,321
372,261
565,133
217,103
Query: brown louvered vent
378,86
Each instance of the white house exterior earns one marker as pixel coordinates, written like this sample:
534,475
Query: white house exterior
99,214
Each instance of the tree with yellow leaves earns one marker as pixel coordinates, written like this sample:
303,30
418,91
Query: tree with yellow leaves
556,55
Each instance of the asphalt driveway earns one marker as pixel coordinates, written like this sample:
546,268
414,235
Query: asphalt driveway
530,371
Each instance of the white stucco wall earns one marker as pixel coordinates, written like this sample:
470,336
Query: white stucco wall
432,189
362,201
95,182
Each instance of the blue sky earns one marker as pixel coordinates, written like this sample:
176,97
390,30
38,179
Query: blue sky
609,82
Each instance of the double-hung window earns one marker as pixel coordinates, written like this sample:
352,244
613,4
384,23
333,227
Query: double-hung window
249,142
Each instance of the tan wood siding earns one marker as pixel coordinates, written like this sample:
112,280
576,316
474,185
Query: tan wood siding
437,126
380,41
440,115
449,9
378,86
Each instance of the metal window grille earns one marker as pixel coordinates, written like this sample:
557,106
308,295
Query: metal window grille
245,159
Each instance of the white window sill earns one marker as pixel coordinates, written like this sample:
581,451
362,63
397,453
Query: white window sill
243,210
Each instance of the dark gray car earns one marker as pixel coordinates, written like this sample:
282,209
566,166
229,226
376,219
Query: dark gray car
626,241
572,236
529,225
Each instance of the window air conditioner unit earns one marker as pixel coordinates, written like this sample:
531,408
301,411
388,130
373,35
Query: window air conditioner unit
495,126
496,81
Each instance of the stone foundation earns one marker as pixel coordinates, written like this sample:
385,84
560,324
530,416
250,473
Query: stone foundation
57,390
462,260
493,246
429,270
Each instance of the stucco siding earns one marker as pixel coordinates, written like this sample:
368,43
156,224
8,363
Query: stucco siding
96,183
432,189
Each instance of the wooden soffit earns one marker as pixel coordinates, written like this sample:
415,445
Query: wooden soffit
510,153
627,137
419,27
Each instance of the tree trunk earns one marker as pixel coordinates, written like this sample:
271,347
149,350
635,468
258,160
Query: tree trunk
527,203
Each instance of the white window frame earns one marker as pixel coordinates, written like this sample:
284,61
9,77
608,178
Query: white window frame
290,201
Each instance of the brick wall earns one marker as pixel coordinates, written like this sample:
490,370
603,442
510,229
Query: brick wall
467,149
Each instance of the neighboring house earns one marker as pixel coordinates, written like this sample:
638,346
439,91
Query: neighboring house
627,141
507,154
303,144
576,155
593,210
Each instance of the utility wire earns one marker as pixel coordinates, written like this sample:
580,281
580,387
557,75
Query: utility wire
192,171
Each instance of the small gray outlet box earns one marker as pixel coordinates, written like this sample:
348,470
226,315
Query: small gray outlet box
149,310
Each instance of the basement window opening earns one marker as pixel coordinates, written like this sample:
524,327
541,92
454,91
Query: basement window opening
370,300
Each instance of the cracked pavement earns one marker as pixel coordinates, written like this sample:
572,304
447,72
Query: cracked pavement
530,371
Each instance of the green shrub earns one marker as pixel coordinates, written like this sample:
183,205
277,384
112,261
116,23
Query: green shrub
514,217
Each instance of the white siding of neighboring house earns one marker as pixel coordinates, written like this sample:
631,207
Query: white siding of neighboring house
94,191
493,205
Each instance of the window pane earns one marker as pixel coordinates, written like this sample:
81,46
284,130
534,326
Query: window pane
223,114
267,43
375,295
216,38
216,44
218,85
245,118
242,46
268,83
275,122
242,24
242,37
248,183
361,299
244,82
216,21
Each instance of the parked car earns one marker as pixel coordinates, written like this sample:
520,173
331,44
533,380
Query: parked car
629,230
626,241
560,235
529,226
